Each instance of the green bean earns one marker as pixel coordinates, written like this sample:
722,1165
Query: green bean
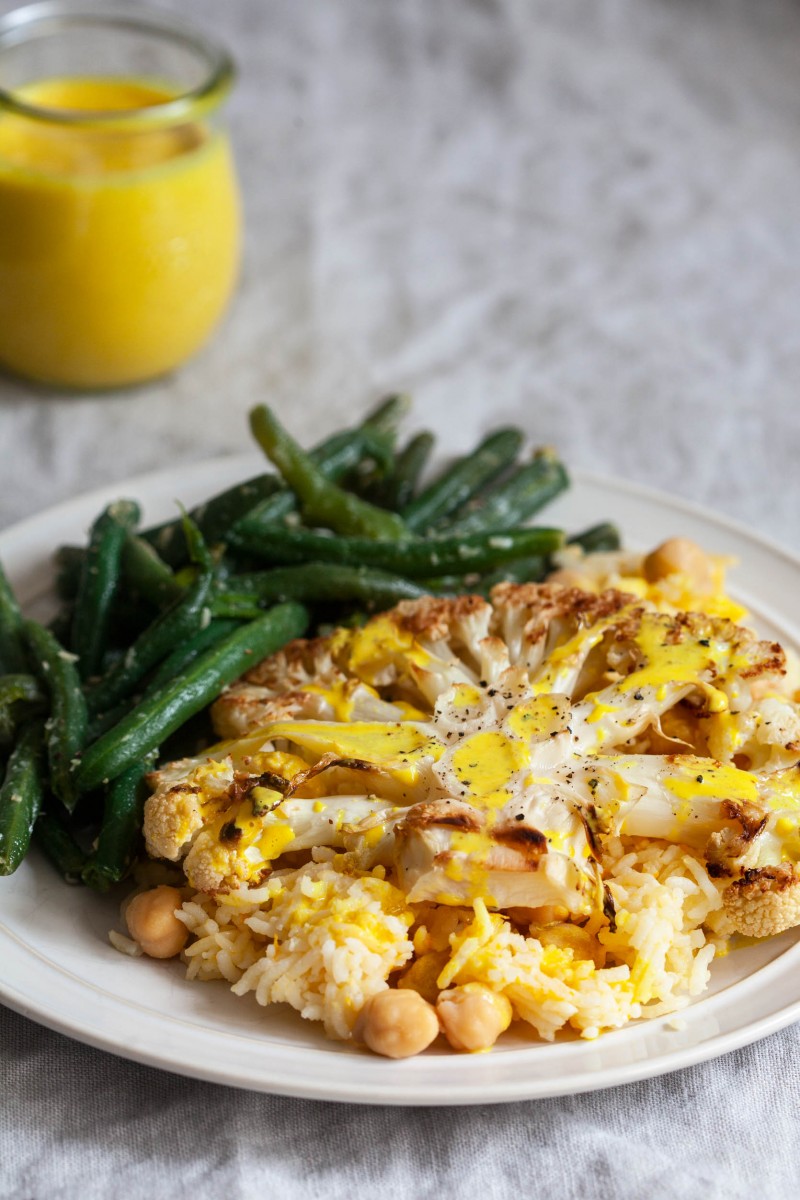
314,582
21,797
532,569
170,668
524,570
453,585
266,497
13,658
20,695
600,537
14,688
146,572
517,499
397,490
59,846
142,569
98,584
101,722
322,502
185,654
415,559
69,564
196,544
336,457
121,829
185,617
343,451
388,413
461,481
370,474
214,517
65,730
61,625
169,707
229,605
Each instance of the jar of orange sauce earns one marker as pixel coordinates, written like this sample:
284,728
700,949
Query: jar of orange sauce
119,210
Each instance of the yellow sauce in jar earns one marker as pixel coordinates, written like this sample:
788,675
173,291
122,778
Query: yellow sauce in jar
119,247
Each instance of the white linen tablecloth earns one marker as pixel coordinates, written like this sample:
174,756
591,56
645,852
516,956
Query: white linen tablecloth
579,216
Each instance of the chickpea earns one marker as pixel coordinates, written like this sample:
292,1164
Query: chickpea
473,1017
677,556
152,923
397,1023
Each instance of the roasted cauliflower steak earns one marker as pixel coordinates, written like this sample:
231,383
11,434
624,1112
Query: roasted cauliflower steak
490,749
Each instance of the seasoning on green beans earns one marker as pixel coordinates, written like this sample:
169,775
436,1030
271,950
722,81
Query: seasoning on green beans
21,797
321,502
416,558
320,582
99,580
65,731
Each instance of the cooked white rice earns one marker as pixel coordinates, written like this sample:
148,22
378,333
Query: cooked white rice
324,941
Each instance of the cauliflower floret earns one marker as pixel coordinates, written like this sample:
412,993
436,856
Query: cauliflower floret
245,706
766,735
240,848
765,901
302,661
533,618
175,813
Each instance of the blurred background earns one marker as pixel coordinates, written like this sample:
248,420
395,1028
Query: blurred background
582,217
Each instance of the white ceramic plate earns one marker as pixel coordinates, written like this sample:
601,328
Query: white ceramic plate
59,969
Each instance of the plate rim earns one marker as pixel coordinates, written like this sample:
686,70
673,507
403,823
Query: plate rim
401,1090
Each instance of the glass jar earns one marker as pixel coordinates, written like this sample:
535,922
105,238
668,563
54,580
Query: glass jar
119,209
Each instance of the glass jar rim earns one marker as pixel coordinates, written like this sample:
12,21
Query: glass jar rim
19,24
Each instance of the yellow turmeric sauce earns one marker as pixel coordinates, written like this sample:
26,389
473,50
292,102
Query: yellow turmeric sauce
119,247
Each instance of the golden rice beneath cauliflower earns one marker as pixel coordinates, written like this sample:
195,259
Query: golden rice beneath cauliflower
327,941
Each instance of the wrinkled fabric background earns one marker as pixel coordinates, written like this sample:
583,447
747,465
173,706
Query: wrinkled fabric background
580,215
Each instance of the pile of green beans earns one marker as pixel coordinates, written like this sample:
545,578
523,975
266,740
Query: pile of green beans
154,623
